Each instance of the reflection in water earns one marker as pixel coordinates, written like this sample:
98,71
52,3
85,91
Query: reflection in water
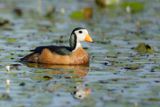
73,71
68,72
7,82
81,92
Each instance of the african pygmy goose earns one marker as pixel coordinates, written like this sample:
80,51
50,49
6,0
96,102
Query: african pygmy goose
74,54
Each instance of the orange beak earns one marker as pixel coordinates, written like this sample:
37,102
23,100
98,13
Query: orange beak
88,38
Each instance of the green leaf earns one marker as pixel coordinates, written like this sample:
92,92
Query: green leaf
105,3
134,6
11,40
77,15
144,48
133,66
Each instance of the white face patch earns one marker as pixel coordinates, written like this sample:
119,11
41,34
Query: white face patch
81,34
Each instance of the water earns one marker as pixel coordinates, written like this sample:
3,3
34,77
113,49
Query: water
117,75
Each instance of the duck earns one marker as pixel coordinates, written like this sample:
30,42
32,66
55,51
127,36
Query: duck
74,54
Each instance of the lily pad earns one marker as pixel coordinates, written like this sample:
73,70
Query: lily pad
5,96
105,3
144,48
154,99
4,22
50,12
11,40
77,15
85,13
133,7
132,67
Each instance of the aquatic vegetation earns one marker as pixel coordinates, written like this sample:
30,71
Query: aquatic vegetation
105,3
83,14
133,7
124,64
144,48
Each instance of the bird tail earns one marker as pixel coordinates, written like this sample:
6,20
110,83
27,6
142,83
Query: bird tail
33,57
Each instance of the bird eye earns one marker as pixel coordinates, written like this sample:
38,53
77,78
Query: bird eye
80,31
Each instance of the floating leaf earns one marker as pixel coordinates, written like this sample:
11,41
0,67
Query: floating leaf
154,99
4,22
144,48
133,7
77,15
41,78
104,3
88,13
85,13
132,66
46,77
11,40
5,96
50,12
155,69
